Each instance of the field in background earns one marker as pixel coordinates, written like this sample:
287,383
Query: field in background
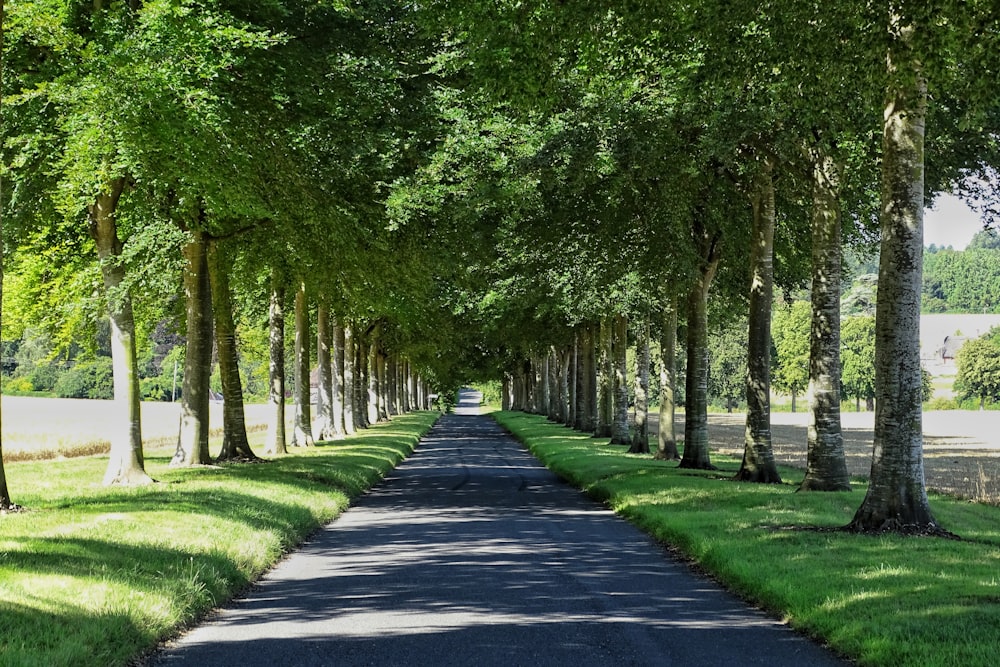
46,427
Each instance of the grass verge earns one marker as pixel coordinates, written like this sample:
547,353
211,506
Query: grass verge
884,600
91,575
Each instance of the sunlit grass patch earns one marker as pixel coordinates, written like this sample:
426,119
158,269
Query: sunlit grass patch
885,600
91,575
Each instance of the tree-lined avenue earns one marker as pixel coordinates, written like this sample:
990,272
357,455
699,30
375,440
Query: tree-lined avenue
472,553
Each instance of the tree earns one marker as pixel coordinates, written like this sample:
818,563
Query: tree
640,439
897,497
727,351
6,504
979,368
826,466
276,441
758,455
666,439
791,343
857,354
235,446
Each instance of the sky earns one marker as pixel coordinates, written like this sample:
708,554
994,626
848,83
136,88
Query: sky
950,223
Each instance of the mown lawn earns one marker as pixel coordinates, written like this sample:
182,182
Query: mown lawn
883,600
91,575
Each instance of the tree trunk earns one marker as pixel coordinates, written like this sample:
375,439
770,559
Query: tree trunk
640,439
826,466
326,423
302,433
696,453
276,438
553,384
348,380
6,504
381,368
125,465
192,441
578,378
666,449
337,378
565,361
758,454
619,346
606,381
897,496
361,380
235,446
374,386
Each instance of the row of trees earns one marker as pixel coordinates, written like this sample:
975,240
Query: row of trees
193,162
647,159
963,281
499,187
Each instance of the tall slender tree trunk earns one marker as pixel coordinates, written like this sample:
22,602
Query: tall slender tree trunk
619,349
235,445
553,384
6,504
381,368
897,496
192,441
325,427
350,426
373,385
606,381
572,379
579,374
826,465
302,434
125,465
276,437
640,439
361,380
666,449
337,373
696,453
758,454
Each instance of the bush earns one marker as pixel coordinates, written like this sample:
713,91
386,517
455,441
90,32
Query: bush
941,403
156,389
92,379
21,385
44,377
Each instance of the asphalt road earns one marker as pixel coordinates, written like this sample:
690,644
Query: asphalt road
471,553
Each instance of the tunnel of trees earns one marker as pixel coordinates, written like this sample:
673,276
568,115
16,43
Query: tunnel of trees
435,193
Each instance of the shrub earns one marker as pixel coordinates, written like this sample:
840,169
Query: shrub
21,385
92,379
940,403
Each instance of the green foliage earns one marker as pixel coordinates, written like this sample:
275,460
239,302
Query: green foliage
979,368
790,329
857,357
88,379
728,364
957,281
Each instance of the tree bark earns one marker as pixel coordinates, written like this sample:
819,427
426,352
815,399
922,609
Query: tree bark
6,504
235,446
325,427
337,378
361,380
276,437
666,449
640,438
572,379
696,453
606,381
192,441
826,465
350,426
302,433
619,347
126,464
758,455
897,496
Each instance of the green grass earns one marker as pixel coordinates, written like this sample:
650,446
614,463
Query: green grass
884,600
91,575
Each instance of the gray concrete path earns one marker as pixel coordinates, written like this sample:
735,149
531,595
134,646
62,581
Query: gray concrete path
471,553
